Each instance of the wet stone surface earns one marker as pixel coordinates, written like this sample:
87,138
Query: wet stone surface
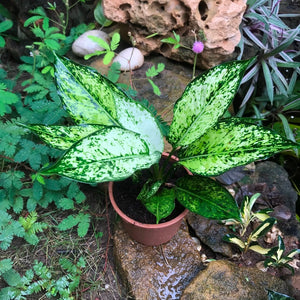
157,273
225,280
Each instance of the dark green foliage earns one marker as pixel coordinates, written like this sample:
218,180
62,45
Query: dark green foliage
41,279
8,229
82,220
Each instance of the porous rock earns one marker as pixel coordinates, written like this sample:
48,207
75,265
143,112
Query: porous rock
130,59
225,280
156,273
83,45
218,20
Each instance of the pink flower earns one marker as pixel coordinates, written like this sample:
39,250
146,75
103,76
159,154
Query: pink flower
198,47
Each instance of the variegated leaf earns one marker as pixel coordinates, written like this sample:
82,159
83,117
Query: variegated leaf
262,229
87,96
206,197
292,253
109,154
259,249
63,137
149,189
93,99
231,238
263,214
161,204
204,101
230,143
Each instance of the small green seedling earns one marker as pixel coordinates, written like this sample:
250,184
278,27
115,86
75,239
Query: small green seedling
251,242
276,257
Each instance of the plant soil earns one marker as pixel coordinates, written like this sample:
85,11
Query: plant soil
126,192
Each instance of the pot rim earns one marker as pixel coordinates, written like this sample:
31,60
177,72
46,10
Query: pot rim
136,223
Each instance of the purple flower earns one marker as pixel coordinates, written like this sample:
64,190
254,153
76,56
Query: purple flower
198,47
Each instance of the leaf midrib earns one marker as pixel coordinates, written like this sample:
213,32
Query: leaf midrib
204,198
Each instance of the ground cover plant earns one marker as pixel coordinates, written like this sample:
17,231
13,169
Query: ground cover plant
31,225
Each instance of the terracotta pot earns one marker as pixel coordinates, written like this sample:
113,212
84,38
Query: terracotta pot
148,234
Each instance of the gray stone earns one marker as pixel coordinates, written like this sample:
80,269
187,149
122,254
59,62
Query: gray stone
156,273
211,233
227,281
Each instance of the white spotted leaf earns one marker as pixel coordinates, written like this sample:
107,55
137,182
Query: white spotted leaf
204,101
231,143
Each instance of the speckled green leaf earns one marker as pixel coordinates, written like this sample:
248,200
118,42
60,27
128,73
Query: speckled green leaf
149,189
161,204
109,154
93,99
87,96
63,137
206,197
204,101
230,143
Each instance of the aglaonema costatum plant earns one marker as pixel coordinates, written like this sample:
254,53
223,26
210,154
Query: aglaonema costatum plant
114,136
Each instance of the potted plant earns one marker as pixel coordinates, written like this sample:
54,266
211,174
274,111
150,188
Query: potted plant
116,137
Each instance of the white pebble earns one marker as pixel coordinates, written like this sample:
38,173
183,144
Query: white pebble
130,59
83,45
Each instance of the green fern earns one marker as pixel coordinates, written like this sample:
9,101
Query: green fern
31,227
40,279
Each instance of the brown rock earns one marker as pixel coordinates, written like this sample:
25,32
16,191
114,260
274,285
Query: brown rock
218,20
225,280
211,233
156,272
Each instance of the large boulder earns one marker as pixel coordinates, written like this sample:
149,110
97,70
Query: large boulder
225,280
218,20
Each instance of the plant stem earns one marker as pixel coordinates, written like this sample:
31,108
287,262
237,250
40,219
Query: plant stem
194,66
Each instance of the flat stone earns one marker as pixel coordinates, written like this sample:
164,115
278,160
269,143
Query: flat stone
160,272
227,281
